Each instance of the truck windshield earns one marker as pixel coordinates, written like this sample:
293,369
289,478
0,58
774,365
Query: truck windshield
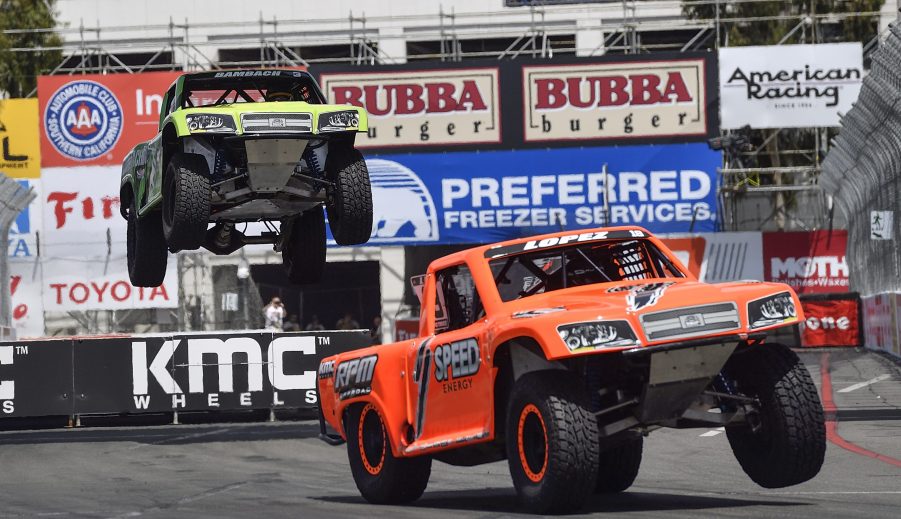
206,91
529,273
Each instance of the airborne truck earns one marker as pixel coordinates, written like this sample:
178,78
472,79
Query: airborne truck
560,353
235,147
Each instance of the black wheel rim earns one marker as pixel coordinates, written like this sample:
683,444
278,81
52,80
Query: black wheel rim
372,440
532,443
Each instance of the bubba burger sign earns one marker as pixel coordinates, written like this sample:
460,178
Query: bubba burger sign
422,107
615,100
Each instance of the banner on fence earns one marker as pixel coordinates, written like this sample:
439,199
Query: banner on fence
468,197
880,321
84,245
788,86
610,100
721,256
23,234
20,152
98,119
428,106
25,291
164,373
810,262
528,103
79,206
831,320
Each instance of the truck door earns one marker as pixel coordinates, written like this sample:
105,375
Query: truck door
451,377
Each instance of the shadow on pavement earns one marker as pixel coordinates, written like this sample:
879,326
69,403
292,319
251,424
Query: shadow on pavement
503,500
166,435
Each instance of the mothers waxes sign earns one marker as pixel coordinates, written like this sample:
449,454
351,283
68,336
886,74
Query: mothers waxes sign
789,86
615,100
811,262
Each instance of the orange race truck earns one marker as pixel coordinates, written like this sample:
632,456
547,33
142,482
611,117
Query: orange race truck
560,353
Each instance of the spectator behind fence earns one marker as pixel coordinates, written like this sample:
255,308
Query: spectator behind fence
314,325
274,313
292,324
347,323
375,332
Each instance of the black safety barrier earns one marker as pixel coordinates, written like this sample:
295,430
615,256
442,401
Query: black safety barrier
166,373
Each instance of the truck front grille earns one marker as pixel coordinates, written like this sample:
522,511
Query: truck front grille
693,321
277,123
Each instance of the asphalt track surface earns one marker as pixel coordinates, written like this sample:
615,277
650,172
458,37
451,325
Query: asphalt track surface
282,470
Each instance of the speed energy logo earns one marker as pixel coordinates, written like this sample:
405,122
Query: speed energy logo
83,120
455,364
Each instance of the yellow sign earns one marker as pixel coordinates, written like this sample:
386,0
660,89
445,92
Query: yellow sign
20,145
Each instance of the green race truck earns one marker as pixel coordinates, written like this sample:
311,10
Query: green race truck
246,146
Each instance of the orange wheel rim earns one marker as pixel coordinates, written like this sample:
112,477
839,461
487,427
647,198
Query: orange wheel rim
377,445
531,439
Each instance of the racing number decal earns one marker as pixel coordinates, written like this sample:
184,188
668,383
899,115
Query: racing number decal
421,378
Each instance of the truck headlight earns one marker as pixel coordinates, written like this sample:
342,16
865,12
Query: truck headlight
771,310
339,121
212,123
594,335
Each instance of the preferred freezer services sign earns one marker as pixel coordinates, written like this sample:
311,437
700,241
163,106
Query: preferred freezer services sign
481,197
789,86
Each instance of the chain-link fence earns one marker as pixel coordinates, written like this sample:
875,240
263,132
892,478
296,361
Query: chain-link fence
863,173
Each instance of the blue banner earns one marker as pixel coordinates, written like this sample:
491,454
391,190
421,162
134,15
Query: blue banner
481,197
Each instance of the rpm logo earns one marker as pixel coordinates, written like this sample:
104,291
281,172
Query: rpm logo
83,120
354,377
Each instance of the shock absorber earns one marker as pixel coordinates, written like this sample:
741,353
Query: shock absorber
315,156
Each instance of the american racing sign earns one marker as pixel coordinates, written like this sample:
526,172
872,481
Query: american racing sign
615,100
422,107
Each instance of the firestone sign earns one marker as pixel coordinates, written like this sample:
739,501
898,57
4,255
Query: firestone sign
422,107
615,100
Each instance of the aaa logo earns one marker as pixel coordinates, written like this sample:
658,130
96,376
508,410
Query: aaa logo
83,120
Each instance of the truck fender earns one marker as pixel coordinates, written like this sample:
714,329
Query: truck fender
394,430
528,357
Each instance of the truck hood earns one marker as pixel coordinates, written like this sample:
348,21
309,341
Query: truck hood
635,302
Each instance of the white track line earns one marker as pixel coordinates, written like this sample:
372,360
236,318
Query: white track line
864,384
713,432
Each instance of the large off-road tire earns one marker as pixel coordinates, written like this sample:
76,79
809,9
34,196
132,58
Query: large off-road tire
618,466
350,201
303,253
145,248
381,477
785,442
186,201
552,442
